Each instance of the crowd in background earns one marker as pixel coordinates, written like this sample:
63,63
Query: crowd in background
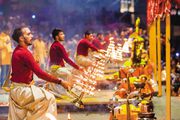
43,40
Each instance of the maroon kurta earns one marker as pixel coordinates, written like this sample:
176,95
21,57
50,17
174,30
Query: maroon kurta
96,42
23,66
58,54
107,42
83,46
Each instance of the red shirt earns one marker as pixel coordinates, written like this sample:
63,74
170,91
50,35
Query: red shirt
83,46
107,42
58,54
23,66
96,42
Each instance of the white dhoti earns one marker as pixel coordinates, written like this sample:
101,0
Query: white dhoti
67,74
83,61
28,102
61,72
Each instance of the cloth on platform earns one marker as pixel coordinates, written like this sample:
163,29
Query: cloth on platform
40,52
28,102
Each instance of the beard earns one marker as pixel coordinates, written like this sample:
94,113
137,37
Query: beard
61,39
28,43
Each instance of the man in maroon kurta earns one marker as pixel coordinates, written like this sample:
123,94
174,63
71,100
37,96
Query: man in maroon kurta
82,50
58,55
24,94
107,37
99,41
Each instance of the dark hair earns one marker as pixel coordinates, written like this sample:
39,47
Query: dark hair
99,33
88,33
107,33
16,34
55,32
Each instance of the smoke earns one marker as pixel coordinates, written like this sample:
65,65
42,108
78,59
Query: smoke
73,16
79,15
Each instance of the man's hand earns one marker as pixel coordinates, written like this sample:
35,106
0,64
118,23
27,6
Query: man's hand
66,85
81,69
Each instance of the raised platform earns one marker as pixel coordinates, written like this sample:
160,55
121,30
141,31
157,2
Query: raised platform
100,97
97,103
98,107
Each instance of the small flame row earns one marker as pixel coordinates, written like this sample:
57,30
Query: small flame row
87,81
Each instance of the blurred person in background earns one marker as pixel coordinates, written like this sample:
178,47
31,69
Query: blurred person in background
99,41
122,36
40,52
5,55
175,77
27,101
107,37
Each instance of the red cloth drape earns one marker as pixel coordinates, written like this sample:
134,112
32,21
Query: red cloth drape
157,8
150,11
167,9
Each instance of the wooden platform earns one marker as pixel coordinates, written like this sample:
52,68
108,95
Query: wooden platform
100,97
